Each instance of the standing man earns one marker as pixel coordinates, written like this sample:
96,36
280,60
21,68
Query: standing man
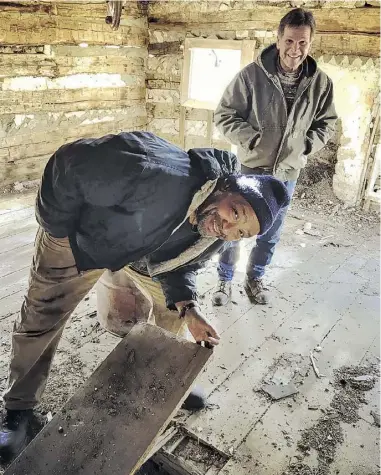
134,204
278,110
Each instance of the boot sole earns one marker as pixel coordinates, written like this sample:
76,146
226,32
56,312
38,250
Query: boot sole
8,455
221,304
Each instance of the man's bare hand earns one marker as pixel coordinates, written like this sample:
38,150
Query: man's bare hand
200,328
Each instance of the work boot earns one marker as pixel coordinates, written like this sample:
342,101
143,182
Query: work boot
256,290
196,399
223,293
13,433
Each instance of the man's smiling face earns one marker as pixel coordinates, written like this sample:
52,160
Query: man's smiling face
294,46
227,216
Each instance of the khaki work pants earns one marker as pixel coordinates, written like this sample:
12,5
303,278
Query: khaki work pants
55,289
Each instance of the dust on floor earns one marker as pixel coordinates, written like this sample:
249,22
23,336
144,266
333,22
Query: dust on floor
337,254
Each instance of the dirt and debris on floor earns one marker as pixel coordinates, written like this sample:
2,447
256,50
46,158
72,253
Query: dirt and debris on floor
319,199
20,187
320,166
324,284
314,193
350,385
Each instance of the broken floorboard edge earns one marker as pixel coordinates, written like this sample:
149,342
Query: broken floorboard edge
131,384
166,436
176,456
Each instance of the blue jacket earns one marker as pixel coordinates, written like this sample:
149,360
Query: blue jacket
120,198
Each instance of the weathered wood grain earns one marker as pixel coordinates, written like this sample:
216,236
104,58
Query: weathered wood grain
350,45
361,20
26,162
24,170
41,28
37,146
122,408
42,65
340,43
34,128
171,111
162,84
69,99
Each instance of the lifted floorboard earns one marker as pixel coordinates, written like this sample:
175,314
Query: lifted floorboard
110,425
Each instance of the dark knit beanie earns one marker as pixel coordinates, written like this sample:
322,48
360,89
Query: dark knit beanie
267,196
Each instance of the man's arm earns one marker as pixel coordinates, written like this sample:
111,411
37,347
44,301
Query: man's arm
232,113
179,288
179,285
323,125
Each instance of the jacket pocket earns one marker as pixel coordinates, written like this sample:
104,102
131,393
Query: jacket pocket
255,142
54,242
293,155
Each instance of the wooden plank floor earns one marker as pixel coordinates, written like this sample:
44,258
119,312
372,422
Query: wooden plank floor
117,416
325,292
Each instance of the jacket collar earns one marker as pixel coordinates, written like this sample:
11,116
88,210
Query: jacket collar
199,247
214,163
268,58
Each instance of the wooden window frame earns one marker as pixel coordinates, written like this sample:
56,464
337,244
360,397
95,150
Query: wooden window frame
247,48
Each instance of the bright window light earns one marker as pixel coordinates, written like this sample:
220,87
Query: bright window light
211,70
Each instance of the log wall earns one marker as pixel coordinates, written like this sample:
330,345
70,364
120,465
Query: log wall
64,74
346,29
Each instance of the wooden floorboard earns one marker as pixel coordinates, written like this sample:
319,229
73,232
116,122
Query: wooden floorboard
323,292
121,410
20,239
11,202
330,299
14,282
21,259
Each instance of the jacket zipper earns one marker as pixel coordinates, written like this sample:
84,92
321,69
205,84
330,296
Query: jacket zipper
308,82
280,149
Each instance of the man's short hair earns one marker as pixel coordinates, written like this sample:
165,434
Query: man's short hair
295,18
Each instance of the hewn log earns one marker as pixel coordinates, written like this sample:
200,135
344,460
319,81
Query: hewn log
222,5
361,20
53,67
96,50
28,169
31,167
34,28
112,428
171,111
350,45
19,102
16,129
37,146
172,47
193,141
44,148
162,84
167,67
26,7
132,9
